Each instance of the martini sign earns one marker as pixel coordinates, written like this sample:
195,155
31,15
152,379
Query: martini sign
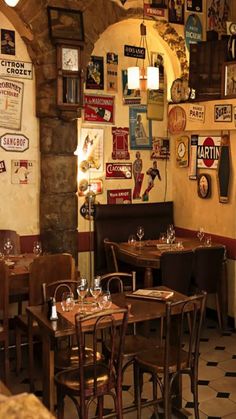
208,152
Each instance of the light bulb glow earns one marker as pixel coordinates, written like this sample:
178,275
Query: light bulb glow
133,78
152,78
11,3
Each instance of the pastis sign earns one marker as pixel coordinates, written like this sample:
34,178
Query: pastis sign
208,152
135,52
14,142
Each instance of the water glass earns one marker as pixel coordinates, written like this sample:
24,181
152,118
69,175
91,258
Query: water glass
105,301
208,241
8,246
96,289
37,248
82,290
132,239
67,301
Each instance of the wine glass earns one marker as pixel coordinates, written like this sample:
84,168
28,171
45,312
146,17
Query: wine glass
37,248
200,234
67,301
132,239
8,246
170,234
96,289
105,301
140,233
82,290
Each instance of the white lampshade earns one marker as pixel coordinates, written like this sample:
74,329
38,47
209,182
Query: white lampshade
11,3
133,78
152,78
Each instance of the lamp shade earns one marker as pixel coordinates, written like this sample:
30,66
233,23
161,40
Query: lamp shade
133,78
152,78
11,3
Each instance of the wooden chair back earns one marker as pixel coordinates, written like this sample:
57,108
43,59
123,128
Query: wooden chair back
55,289
15,239
47,269
4,322
110,253
119,281
176,270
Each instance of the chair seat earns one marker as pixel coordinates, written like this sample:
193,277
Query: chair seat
153,360
70,377
68,357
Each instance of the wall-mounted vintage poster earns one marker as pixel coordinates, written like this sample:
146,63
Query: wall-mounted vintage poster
218,13
223,113
99,108
119,196
208,152
155,98
196,112
118,170
19,69
176,11
7,42
112,72
160,148
194,6
23,171
193,30
11,98
91,148
130,96
120,143
94,185
140,128
95,73
193,158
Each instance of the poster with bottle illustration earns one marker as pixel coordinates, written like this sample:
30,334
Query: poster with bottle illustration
95,73
99,109
91,148
112,72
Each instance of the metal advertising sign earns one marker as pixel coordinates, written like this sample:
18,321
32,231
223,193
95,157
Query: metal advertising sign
193,30
196,112
99,108
153,11
2,166
119,196
118,170
11,98
208,152
23,171
21,69
223,113
133,51
120,143
14,142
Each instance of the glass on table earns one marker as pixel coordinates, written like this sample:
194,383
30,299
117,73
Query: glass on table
208,241
105,301
162,237
140,233
67,301
8,246
132,240
201,234
82,290
170,235
37,248
96,289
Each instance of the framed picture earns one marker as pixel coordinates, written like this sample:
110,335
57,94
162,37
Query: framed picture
140,128
91,148
218,13
223,113
176,11
229,79
65,23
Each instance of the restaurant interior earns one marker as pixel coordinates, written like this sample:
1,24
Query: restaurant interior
99,168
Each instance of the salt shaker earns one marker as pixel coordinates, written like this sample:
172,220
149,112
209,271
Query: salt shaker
53,315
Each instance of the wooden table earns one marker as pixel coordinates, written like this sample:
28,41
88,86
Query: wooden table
141,310
148,257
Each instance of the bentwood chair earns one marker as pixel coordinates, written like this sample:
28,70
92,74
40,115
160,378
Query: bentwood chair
177,356
93,381
134,343
4,322
44,269
208,270
110,253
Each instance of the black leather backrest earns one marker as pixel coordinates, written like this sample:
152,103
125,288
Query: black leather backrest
117,222
177,269
208,265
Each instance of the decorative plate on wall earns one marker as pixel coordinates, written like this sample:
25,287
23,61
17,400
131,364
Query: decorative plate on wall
176,120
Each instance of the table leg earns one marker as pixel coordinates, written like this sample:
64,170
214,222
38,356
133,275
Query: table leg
48,372
148,278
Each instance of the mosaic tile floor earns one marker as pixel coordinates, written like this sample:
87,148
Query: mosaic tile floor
217,380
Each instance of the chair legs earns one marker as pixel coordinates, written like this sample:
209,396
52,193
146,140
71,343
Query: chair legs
6,362
18,351
218,311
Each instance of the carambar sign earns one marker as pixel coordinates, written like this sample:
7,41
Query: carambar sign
21,69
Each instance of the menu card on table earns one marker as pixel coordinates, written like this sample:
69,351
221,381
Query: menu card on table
152,294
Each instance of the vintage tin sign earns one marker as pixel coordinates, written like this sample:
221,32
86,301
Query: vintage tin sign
2,166
118,170
119,196
120,143
208,152
193,30
21,69
153,11
196,112
14,142
99,108
23,171
223,113
133,51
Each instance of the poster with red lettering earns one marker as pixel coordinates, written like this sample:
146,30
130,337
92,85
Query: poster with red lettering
99,109
208,151
119,196
11,98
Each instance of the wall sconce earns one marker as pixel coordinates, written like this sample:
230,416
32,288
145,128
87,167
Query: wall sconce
11,3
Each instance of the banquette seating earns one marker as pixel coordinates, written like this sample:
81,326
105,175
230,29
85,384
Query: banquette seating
117,222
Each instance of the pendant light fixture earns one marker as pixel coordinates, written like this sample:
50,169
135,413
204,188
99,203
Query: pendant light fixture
11,3
138,78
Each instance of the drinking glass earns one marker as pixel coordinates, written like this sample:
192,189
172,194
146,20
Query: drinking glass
37,248
82,290
96,289
162,237
200,234
132,239
104,300
8,246
170,234
208,241
67,301
140,233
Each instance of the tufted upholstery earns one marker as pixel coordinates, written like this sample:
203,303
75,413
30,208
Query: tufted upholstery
117,222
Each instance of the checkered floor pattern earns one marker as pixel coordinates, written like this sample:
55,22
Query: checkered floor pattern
217,380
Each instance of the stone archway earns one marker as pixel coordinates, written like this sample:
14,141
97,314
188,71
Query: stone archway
58,136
